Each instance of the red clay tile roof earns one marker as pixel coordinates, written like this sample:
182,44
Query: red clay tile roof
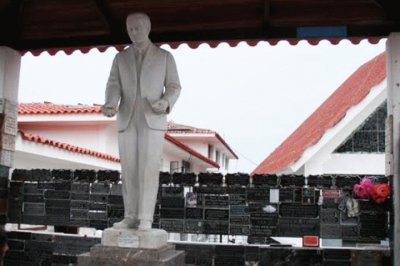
68,147
50,108
190,150
350,93
72,148
183,129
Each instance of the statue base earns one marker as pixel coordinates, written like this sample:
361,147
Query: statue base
101,255
133,238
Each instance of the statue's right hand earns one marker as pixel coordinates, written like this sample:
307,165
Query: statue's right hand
108,111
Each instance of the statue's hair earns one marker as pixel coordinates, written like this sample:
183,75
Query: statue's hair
141,16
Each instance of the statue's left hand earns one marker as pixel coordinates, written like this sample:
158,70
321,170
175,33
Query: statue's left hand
160,106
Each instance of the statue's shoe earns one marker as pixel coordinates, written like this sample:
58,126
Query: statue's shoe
126,223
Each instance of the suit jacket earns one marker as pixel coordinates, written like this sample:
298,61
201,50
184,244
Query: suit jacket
158,80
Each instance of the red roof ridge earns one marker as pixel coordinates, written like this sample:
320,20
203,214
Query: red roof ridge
59,109
66,146
190,150
352,91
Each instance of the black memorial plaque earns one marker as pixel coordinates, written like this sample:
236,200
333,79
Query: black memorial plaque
324,181
79,214
194,226
216,214
346,181
173,202
21,175
239,210
262,180
172,225
79,204
100,188
373,226
209,190
34,209
57,211
85,175
33,219
62,174
239,229
98,215
54,194
286,194
46,185
258,194
31,188
237,179
99,198
194,213
172,213
172,192
292,180
252,253
80,196
298,210
97,206
58,220
115,211
98,224
256,207
184,179
108,175
165,178
330,231
79,222
236,190
210,179
115,199
265,221
330,216
290,227
33,198
216,227
116,189
350,232
220,201
239,220
57,203
346,220
371,207
80,187
237,199
63,185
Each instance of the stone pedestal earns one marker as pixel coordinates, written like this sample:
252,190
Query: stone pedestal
132,238
101,255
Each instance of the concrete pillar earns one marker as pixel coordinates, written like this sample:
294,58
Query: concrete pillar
393,84
10,64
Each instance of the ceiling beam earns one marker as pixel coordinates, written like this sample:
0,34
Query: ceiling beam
266,14
112,24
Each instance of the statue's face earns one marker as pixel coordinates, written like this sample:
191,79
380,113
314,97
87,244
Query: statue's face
138,30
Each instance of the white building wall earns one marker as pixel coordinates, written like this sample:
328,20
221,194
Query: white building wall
199,146
358,164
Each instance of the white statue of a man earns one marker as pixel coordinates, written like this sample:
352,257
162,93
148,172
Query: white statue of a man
143,86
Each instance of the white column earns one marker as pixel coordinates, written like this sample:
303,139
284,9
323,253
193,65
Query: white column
393,83
10,63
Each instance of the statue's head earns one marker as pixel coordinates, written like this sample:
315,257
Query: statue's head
138,26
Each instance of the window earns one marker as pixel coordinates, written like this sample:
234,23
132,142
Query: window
173,166
370,136
210,151
226,163
186,167
217,156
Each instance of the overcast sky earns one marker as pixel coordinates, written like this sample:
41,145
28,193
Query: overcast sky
254,97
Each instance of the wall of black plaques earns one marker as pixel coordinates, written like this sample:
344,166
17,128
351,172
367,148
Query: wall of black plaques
208,203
